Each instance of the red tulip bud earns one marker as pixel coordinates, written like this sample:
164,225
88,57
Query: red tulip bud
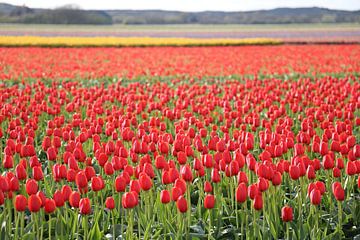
209,201
20,203
287,214
110,203
34,203
50,206
315,197
85,206
181,204
165,196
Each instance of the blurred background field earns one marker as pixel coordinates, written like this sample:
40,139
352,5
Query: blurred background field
290,25
338,32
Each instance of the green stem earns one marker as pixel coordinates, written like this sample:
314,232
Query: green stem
8,203
188,213
77,223
121,218
40,221
49,227
22,224
35,223
139,224
209,234
287,231
85,226
113,223
254,223
242,222
129,231
16,224
339,215
328,173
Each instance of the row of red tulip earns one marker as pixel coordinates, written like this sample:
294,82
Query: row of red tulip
69,148
55,63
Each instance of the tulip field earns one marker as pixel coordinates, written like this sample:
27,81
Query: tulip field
221,142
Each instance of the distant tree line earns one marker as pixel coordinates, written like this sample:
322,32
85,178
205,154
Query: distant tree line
71,14
64,15
275,16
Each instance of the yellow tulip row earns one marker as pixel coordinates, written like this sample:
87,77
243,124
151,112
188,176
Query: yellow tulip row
127,41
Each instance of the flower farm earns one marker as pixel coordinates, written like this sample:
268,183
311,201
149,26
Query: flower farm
215,142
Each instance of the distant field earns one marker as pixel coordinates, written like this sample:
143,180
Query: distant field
289,32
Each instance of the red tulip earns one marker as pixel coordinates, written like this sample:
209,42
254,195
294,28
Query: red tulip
135,186
109,169
328,162
336,172
165,196
102,159
14,184
110,203
129,200
176,192
321,186
37,173
253,191
258,202
351,168
310,172
120,184
181,204
145,182
89,172
31,187
81,180
34,203
74,199
215,176
263,184
20,203
85,206
241,193
276,179
338,191
97,184
181,157
186,173
8,161
208,161
294,172
209,201
58,198
51,153
315,197
324,148
50,206
242,177
20,172
299,149
42,197
207,187
287,214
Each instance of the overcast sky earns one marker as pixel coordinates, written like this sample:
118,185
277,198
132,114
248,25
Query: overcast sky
192,5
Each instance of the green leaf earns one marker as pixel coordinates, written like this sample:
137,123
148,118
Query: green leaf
272,230
95,232
28,236
3,232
